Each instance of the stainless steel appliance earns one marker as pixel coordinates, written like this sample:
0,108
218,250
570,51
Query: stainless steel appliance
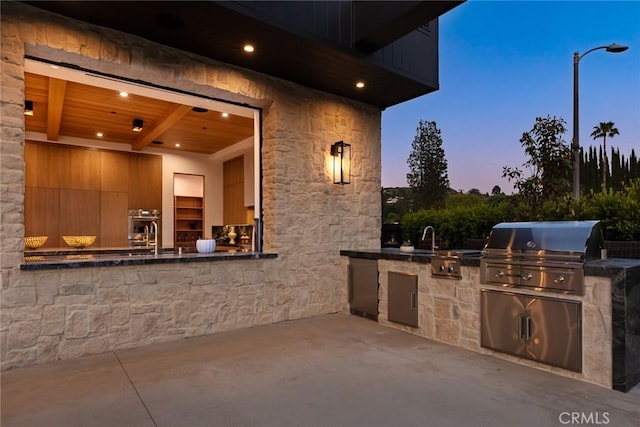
403,298
363,287
543,256
446,264
537,256
547,330
144,226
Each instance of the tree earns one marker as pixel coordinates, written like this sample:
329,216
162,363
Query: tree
428,177
550,163
496,190
604,130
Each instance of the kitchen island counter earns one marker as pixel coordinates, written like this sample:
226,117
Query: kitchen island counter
601,268
449,311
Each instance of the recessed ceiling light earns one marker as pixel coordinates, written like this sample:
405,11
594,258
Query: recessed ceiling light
55,67
177,145
124,94
99,134
225,114
248,48
360,85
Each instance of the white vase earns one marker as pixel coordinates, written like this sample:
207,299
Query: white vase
205,246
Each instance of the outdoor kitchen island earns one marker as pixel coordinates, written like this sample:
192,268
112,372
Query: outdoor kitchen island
449,311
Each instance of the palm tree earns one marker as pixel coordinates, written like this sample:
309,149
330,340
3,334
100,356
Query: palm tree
604,130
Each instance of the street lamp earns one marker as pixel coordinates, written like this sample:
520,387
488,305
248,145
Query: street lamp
575,146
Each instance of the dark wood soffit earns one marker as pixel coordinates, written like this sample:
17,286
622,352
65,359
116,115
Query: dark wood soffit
214,31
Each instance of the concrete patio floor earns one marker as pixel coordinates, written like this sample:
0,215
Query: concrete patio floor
333,370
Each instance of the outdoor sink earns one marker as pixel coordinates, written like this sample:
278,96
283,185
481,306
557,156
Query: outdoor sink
450,253
457,253
423,252
447,254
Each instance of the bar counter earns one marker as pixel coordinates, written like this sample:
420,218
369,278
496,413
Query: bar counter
78,258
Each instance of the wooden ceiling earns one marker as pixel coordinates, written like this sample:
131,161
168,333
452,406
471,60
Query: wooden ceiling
68,109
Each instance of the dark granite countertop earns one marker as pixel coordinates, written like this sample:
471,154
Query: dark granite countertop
470,258
603,268
44,260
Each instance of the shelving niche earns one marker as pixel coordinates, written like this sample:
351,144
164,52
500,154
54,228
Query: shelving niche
189,216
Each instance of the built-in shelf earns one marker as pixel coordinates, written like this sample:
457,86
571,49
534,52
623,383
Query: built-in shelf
188,220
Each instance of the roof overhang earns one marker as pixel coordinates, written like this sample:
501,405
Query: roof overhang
218,30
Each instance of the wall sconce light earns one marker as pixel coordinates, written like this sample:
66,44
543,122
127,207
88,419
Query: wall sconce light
137,125
28,108
341,153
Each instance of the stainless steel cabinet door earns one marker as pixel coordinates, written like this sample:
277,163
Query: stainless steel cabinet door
403,298
503,322
363,287
554,332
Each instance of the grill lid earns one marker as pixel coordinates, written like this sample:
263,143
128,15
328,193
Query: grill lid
576,237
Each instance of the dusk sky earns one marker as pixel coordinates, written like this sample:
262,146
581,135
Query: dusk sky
502,64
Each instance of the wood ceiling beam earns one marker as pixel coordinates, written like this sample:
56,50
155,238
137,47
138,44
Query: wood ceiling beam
57,89
163,125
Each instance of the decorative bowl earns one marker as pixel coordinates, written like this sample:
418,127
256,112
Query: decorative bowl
34,242
205,246
407,248
79,241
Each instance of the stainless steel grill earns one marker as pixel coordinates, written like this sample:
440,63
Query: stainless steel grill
546,255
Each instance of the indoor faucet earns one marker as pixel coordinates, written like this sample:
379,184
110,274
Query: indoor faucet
146,234
433,237
155,232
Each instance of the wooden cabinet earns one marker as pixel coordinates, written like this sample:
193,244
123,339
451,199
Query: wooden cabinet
234,211
42,214
75,190
113,232
114,173
145,181
189,220
80,214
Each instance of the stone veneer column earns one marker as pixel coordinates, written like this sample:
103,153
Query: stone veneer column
66,313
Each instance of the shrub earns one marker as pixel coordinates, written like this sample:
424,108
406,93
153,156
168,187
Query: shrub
619,212
455,225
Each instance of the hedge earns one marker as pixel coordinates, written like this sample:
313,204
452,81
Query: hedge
619,212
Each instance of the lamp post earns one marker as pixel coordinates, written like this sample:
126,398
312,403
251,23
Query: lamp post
575,146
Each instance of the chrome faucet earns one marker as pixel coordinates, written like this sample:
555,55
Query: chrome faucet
433,237
156,233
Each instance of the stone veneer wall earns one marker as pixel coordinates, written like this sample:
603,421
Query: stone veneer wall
66,313
449,311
